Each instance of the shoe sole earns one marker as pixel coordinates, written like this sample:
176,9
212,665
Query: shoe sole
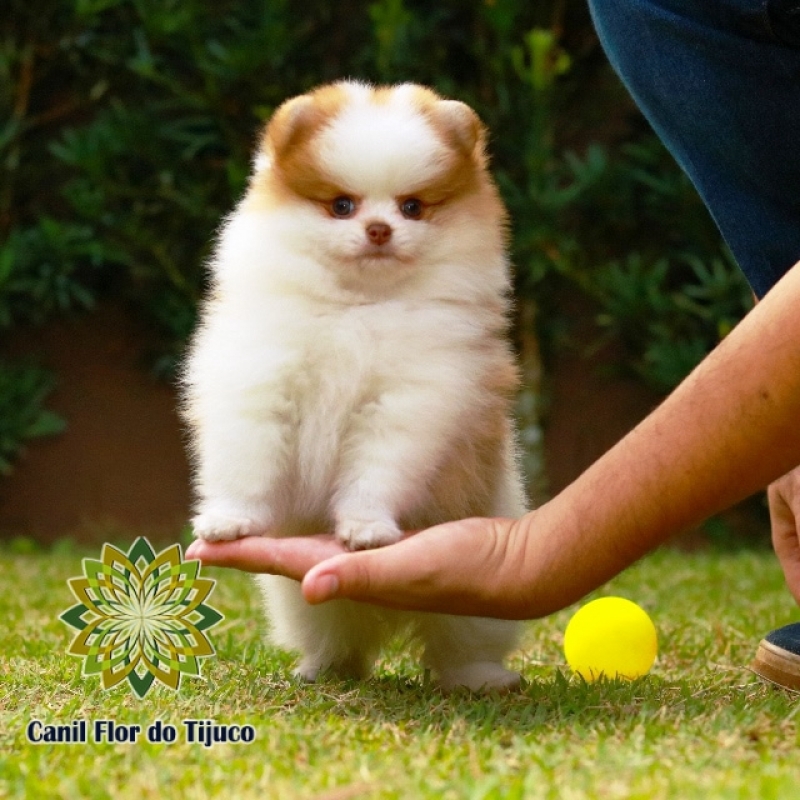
778,666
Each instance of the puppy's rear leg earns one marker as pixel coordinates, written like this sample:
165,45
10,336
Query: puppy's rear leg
469,651
341,638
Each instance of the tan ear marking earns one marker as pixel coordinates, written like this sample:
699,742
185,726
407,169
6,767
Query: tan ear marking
460,124
290,125
298,119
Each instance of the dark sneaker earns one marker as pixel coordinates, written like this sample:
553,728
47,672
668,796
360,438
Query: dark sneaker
778,657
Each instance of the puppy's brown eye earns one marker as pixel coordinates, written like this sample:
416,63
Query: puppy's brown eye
411,208
343,207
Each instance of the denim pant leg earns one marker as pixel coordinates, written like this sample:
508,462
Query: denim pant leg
719,81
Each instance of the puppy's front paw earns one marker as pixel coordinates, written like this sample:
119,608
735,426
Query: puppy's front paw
215,527
365,534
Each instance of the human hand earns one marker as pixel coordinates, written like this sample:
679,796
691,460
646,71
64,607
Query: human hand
291,557
472,566
784,513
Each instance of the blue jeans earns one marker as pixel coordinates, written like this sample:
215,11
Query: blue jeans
719,81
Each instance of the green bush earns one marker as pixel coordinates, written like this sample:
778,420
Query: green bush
129,126
23,389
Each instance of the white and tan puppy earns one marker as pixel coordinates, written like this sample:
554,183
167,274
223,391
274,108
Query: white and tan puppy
351,369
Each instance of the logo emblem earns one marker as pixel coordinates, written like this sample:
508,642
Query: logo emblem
141,617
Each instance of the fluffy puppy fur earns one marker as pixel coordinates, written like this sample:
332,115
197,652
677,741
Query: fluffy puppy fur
351,369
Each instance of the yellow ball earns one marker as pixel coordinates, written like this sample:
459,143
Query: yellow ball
610,636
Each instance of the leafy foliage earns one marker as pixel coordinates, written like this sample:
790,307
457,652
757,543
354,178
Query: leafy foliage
23,389
126,129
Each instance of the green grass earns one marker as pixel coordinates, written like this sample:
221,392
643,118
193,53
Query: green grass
700,726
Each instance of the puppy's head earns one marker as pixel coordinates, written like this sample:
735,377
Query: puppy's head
382,180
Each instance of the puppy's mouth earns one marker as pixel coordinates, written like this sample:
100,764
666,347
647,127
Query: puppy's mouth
385,254
381,254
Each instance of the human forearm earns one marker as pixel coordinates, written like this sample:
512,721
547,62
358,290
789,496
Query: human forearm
731,428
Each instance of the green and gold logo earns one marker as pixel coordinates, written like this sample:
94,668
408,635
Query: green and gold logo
141,617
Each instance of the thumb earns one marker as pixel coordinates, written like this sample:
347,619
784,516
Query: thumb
785,538
383,577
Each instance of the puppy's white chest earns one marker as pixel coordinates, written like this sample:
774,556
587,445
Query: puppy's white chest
340,375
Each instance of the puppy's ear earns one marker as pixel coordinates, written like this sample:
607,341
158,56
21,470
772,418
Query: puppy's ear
298,119
460,125
290,125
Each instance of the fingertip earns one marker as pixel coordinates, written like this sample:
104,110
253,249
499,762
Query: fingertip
217,554
195,550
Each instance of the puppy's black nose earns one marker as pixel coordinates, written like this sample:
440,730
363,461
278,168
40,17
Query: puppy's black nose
379,232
